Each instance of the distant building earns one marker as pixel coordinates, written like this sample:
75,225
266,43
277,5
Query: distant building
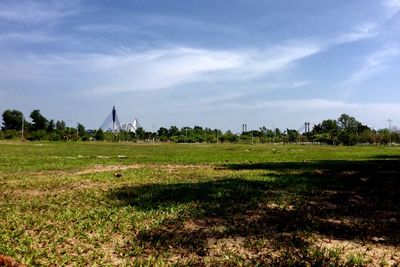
111,124
130,126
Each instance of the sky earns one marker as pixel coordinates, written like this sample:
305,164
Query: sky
211,63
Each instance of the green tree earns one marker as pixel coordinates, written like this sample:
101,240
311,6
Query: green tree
348,124
140,133
292,135
326,132
350,130
173,131
60,125
38,121
51,126
229,137
162,134
12,120
83,135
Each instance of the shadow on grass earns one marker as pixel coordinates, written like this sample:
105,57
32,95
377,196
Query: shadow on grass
387,157
351,200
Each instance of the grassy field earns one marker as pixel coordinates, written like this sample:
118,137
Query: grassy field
247,205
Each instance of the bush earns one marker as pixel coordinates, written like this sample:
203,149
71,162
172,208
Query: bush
10,134
54,137
38,135
99,135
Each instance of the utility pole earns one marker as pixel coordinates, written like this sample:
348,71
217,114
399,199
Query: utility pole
390,131
77,132
22,128
153,132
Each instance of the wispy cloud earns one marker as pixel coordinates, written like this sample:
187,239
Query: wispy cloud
27,11
363,31
153,69
220,97
374,64
26,37
180,22
392,6
117,29
128,70
279,57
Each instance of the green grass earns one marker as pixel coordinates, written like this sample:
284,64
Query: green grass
245,205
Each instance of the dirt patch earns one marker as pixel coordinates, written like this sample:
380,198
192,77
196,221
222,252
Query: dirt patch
219,247
113,168
104,168
82,185
374,253
108,168
9,262
109,248
116,170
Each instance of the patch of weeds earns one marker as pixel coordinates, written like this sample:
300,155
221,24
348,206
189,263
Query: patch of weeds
383,262
356,260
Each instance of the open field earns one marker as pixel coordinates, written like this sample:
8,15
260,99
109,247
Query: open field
145,204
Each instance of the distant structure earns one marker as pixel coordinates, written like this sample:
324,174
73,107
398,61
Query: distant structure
244,128
305,127
112,124
130,126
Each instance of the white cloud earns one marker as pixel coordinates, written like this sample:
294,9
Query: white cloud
168,67
374,64
26,11
217,97
392,8
361,32
277,58
27,37
153,69
158,69
393,5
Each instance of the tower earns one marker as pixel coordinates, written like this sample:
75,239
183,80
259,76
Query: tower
114,115
111,123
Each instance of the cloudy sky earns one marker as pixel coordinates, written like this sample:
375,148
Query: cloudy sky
214,63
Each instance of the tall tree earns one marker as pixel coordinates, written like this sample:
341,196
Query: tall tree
60,125
140,133
12,120
162,132
39,122
81,130
348,124
173,131
51,126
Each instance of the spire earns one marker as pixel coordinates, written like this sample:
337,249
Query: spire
111,123
114,113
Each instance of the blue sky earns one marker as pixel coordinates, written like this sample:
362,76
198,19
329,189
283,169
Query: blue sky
216,63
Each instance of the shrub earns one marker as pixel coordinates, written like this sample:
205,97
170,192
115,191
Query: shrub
10,134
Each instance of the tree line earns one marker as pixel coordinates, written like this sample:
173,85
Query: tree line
345,130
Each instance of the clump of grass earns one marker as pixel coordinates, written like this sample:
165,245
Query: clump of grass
356,260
